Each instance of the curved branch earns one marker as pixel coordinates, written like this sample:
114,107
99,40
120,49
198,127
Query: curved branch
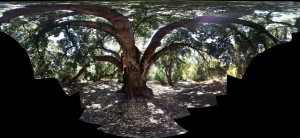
297,24
109,59
158,36
203,57
111,15
83,69
121,23
53,18
268,16
171,47
163,51
99,26
242,35
100,45
283,23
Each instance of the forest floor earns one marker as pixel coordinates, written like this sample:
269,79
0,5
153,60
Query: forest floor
152,117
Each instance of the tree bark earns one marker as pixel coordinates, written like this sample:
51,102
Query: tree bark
169,74
134,85
83,69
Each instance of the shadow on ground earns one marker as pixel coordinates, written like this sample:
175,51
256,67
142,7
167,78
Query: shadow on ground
152,117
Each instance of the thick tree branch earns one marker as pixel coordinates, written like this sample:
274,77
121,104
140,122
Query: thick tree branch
283,23
203,57
71,38
243,36
122,25
163,51
158,36
173,46
109,59
83,69
54,18
297,24
101,46
111,15
66,50
268,16
99,26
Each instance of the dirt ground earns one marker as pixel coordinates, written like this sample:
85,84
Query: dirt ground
152,117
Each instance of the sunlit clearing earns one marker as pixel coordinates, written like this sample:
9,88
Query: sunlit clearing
86,91
96,106
206,105
110,105
189,105
192,92
200,93
159,111
181,132
151,106
152,120
217,92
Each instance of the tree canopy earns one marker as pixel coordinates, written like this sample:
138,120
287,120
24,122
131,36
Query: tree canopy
67,39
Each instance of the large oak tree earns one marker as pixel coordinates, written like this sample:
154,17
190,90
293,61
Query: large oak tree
121,28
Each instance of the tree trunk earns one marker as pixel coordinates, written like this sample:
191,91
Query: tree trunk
169,74
134,83
83,69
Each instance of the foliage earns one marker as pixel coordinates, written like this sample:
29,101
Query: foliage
213,50
160,76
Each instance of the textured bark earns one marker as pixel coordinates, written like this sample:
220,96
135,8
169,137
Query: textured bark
169,74
71,38
83,69
134,85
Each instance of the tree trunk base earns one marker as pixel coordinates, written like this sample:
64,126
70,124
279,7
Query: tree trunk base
136,92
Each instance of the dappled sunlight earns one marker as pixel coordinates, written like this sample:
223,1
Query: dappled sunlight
152,120
151,106
152,117
200,93
96,106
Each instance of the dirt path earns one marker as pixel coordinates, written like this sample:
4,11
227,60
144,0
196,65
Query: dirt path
143,117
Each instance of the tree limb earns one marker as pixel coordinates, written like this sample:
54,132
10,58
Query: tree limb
173,46
66,50
53,18
83,68
163,51
297,24
72,39
110,59
101,46
158,36
122,25
268,16
242,35
111,15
